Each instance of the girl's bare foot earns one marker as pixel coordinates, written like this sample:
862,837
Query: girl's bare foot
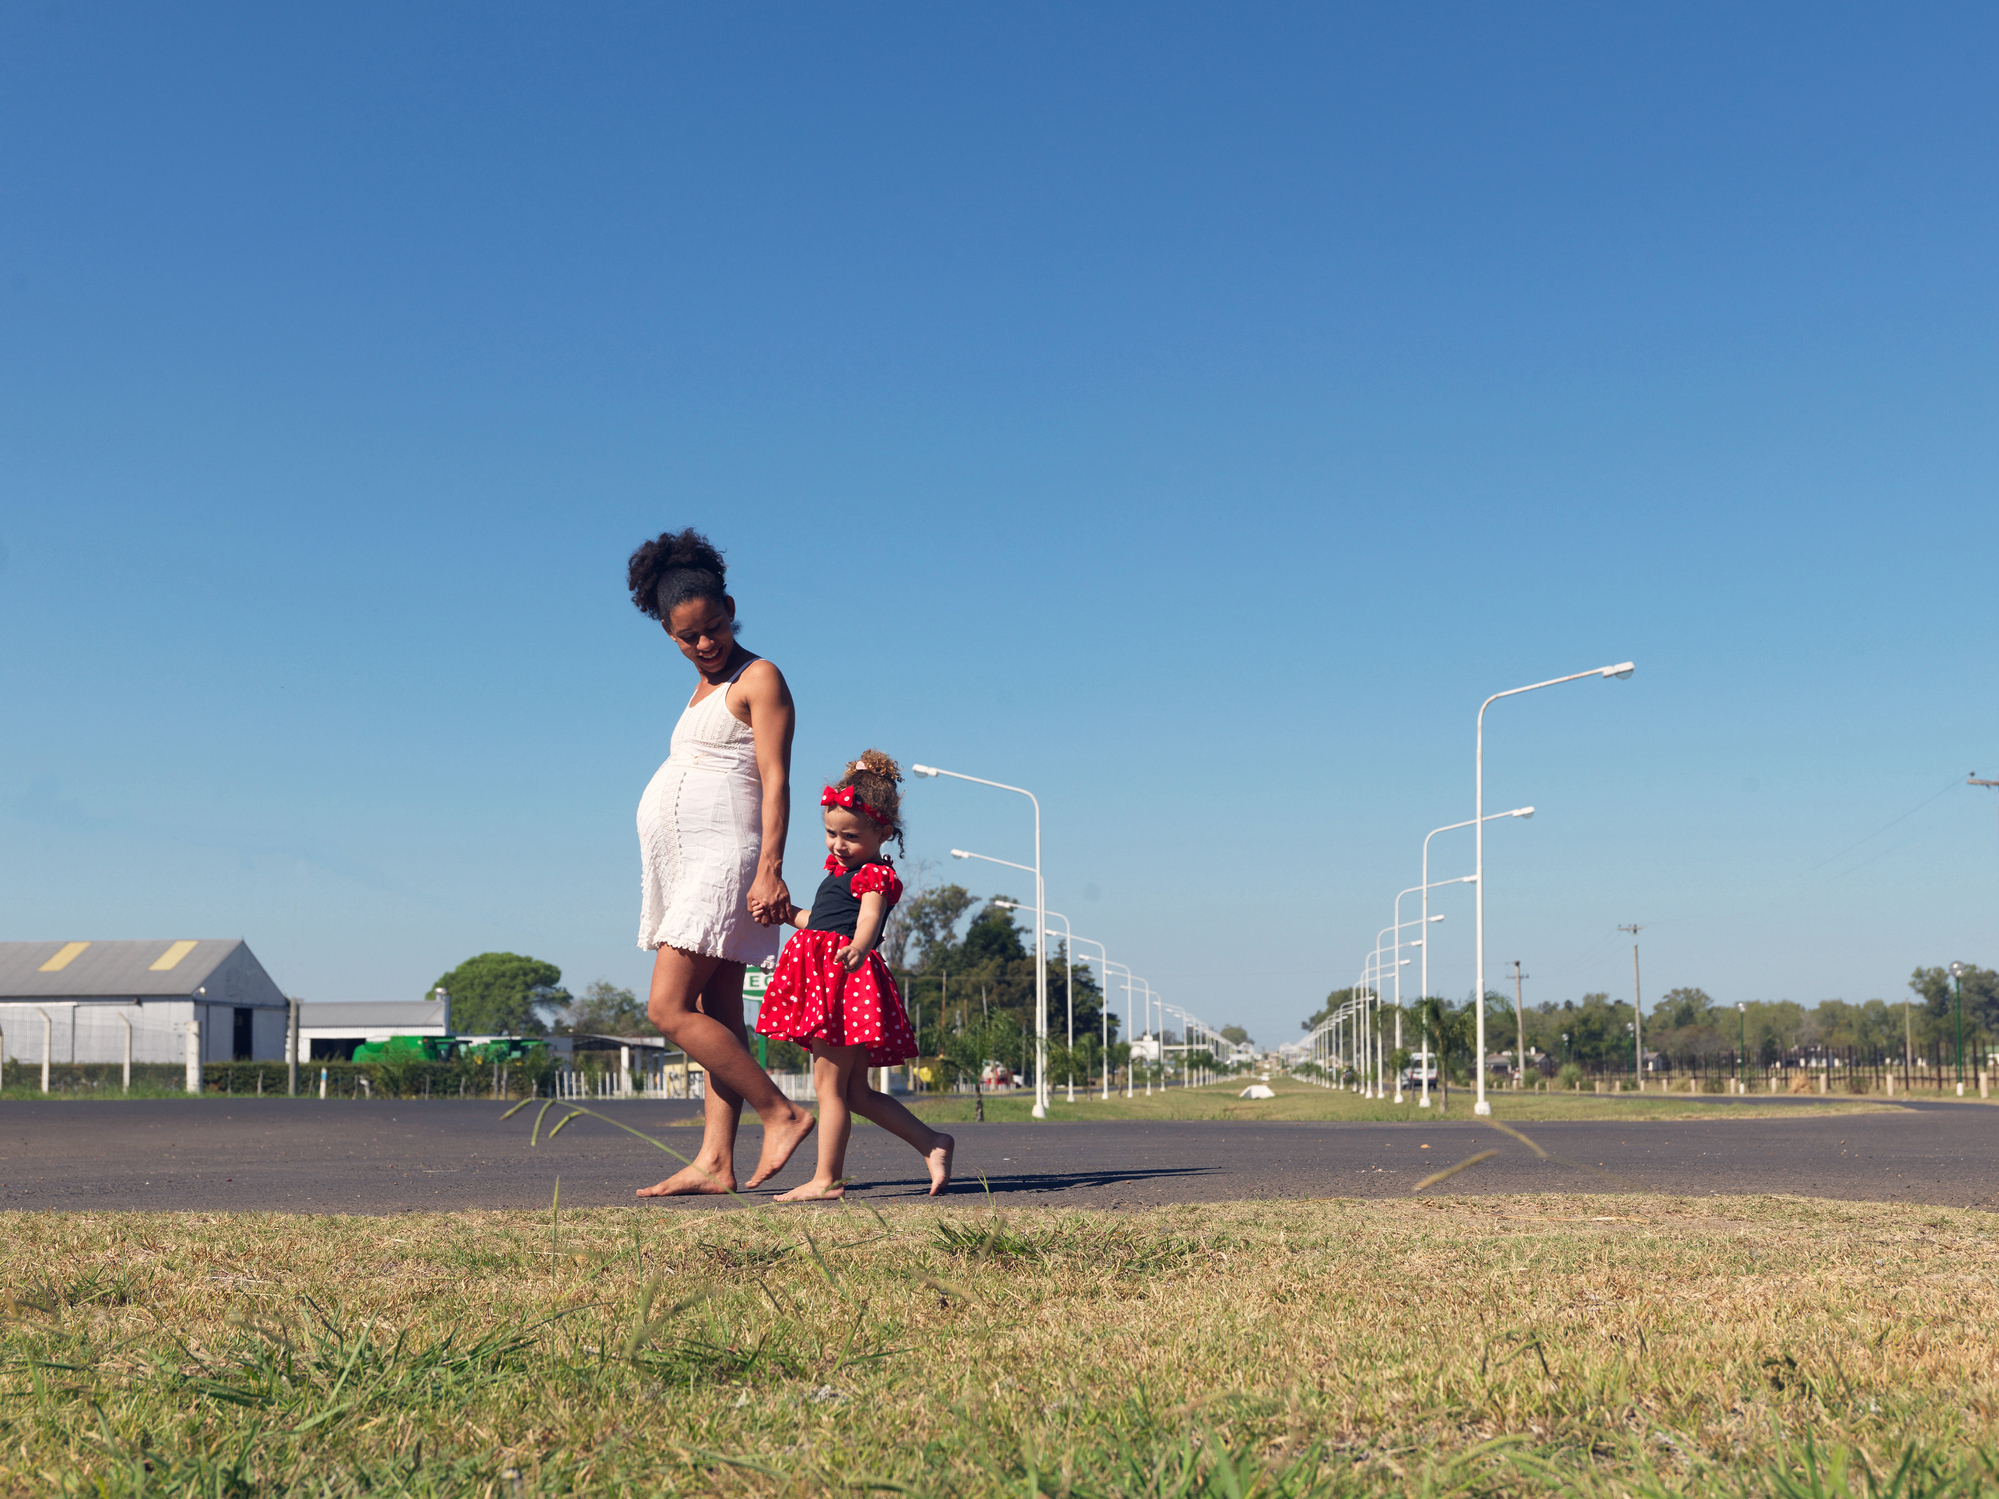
812,1191
691,1182
779,1142
939,1162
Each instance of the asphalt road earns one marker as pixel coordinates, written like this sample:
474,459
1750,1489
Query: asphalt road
388,1157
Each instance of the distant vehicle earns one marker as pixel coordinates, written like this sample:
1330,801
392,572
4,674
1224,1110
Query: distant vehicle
996,1075
1422,1069
504,1049
404,1049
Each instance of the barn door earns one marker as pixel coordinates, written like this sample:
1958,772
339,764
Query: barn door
245,1049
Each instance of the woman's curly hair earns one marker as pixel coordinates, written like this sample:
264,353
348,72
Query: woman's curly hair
874,778
673,568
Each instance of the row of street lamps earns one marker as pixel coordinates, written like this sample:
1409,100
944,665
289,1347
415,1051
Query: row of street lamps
1354,1029
1042,931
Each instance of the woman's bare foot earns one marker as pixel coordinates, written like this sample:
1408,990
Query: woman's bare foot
691,1182
779,1142
939,1162
812,1191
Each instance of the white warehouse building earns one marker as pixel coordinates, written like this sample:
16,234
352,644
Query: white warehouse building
77,999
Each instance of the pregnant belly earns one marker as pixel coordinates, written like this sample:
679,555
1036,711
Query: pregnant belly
703,816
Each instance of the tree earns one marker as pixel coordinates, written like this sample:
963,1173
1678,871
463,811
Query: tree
502,992
1335,1001
927,921
1236,1034
1683,1009
607,1010
1448,1032
1981,996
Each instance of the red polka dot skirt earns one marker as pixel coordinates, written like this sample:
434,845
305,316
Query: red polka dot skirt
812,997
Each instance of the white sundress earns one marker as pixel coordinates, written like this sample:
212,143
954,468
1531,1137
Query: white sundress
700,832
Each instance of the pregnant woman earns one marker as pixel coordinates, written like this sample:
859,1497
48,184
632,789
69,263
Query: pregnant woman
712,825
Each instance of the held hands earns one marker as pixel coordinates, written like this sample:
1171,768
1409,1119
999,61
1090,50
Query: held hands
770,900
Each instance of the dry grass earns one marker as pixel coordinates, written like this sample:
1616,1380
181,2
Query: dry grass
1611,1345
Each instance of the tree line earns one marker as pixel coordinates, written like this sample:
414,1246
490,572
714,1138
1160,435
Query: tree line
1688,1027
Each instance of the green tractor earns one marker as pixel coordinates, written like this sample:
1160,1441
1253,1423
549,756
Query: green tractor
405,1049
503,1049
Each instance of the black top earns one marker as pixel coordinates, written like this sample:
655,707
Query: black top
836,908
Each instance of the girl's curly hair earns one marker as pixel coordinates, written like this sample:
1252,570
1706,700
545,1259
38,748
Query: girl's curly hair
874,778
673,568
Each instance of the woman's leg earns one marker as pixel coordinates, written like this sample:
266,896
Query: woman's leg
833,1068
697,1003
878,1108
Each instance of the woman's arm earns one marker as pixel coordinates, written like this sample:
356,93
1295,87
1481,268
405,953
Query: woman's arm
867,930
771,717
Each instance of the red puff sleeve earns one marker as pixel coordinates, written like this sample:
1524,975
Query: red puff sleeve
871,879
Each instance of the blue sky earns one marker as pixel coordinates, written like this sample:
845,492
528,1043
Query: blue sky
1190,414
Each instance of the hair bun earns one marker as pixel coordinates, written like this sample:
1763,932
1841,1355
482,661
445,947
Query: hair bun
650,571
874,762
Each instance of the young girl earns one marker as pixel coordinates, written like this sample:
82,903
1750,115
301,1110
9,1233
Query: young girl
833,994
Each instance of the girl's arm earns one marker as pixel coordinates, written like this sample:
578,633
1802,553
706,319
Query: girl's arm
867,930
799,917
768,710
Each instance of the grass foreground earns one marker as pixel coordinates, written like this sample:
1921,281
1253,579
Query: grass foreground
1595,1345
1300,1101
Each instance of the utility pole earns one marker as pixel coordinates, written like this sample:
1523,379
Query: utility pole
1637,1011
1520,1028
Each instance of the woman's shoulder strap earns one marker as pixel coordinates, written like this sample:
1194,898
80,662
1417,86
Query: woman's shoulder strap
737,674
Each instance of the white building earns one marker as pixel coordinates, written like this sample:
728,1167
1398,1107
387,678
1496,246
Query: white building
80,1001
332,1031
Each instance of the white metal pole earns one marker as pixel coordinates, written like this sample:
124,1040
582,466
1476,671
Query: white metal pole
48,1045
1130,1031
128,1051
1621,670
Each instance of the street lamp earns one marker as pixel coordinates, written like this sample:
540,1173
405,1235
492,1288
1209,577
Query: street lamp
1399,945
1620,671
1040,1110
1423,984
1129,980
1957,972
1068,976
1104,1013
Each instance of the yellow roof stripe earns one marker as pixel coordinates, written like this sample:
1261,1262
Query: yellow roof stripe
172,956
64,958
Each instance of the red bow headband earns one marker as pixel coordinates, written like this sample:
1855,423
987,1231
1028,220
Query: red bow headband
845,797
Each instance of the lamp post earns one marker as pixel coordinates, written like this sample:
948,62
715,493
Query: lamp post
1399,963
1040,941
1068,979
1423,984
1620,671
1104,1013
1128,981
1957,971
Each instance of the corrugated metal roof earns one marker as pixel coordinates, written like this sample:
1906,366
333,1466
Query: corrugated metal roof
383,1015
110,970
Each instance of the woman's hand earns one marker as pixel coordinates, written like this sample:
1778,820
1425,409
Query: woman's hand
770,899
